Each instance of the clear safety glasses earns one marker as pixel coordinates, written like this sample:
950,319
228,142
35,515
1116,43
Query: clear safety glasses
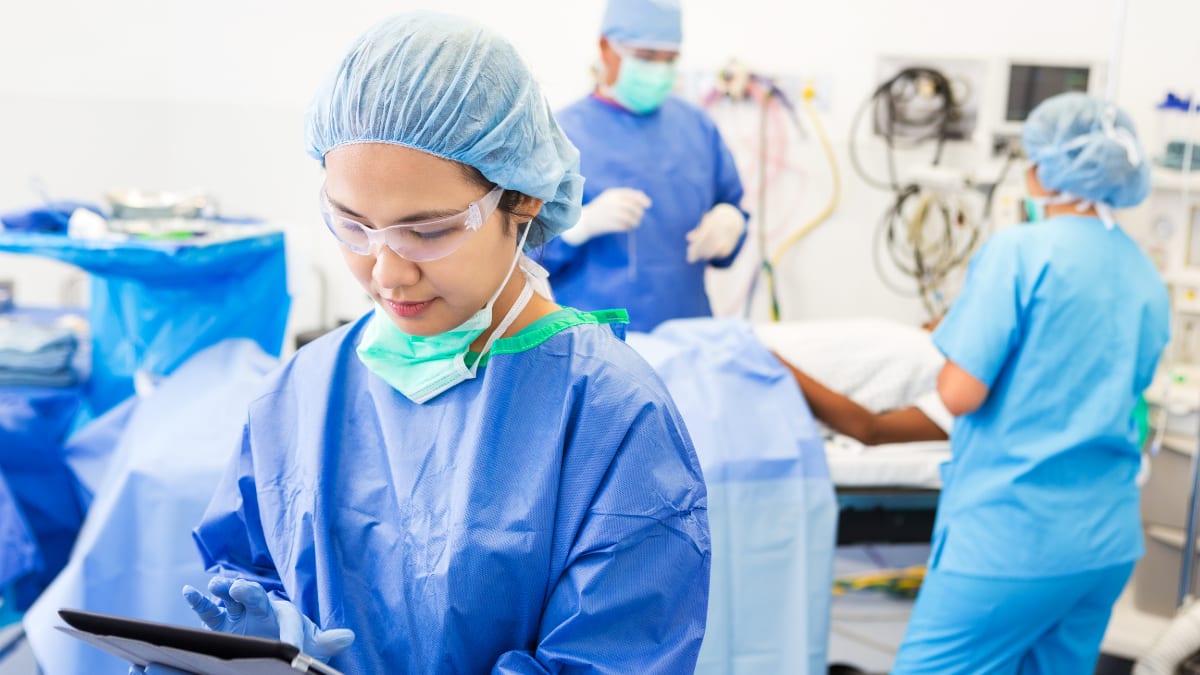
418,242
652,55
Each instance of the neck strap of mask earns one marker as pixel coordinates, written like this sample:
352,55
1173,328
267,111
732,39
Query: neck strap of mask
1104,211
518,305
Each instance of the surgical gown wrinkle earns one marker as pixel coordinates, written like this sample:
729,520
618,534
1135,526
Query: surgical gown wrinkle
677,157
546,517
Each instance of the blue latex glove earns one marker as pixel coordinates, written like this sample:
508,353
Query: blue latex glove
247,609
156,669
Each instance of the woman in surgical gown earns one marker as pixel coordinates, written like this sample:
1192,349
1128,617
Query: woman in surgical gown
1056,334
469,479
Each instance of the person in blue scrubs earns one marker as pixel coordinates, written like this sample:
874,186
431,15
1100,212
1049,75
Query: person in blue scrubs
471,478
661,201
1057,332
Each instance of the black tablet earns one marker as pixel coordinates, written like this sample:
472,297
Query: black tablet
191,640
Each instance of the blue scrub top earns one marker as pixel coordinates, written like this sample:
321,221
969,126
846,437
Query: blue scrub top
1064,321
676,156
546,516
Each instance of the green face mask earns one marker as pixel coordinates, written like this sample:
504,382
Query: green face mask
421,367
643,85
1035,209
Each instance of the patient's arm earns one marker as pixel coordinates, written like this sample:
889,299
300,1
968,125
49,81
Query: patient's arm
905,425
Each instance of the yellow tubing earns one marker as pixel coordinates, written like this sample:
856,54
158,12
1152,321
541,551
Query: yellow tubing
809,94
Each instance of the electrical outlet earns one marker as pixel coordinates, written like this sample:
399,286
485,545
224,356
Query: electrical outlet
1187,300
799,86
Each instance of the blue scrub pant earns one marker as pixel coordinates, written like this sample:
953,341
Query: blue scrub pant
969,624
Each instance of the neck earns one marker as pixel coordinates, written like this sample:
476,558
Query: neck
1070,210
601,92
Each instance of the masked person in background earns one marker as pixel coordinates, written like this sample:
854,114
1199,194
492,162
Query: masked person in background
662,191
470,478
1057,332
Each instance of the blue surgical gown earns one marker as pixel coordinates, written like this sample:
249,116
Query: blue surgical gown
34,423
1064,321
771,505
151,463
548,516
19,554
676,156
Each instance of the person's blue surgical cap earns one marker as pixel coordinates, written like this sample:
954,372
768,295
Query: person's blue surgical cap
1085,147
450,87
649,24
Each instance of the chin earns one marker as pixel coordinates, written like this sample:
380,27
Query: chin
420,327
424,321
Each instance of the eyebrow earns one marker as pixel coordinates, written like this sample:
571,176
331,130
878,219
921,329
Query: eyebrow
410,218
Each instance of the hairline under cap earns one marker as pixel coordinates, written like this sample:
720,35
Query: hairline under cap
401,144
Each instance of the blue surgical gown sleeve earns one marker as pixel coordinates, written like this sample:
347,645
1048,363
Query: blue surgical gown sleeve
984,323
605,615
235,544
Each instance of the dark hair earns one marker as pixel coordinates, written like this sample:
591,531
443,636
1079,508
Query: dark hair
512,204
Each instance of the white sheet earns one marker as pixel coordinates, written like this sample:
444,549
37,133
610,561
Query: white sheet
881,364
902,465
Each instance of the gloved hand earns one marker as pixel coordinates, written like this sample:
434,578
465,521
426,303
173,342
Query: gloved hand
614,210
248,610
717,234
156,669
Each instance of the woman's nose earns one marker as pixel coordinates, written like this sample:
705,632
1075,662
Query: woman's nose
392,271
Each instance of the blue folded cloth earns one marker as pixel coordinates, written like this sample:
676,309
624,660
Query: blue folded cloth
21,378
33,354
49,360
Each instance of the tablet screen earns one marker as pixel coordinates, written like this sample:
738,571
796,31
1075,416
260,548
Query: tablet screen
209,643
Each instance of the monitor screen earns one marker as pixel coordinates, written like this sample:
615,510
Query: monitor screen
1029,85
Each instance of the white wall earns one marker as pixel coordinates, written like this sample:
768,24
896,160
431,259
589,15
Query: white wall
95,95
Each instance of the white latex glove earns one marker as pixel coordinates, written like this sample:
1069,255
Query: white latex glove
717,234
614,210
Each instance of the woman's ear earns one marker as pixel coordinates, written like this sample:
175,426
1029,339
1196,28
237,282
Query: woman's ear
527,209
1034,186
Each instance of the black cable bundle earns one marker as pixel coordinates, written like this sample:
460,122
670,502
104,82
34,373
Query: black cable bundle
900,232
892,95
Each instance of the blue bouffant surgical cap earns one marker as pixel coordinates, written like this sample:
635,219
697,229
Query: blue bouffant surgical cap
651,24
450,87
1087,148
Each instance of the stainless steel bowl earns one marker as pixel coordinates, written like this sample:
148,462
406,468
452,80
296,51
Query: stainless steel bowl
152,205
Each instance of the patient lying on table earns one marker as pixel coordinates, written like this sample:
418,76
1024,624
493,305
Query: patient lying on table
887,372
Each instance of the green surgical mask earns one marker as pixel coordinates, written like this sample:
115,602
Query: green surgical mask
643,85
1035,209
422,367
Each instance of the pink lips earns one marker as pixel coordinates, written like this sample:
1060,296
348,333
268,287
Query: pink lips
408,310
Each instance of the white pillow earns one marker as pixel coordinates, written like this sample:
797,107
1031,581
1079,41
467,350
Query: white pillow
881,364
